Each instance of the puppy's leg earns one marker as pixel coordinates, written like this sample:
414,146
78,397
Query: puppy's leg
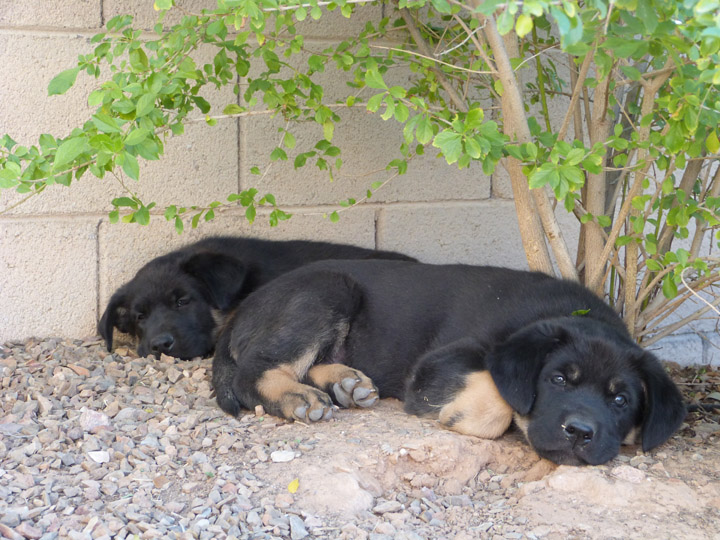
348,386
279,332
452,385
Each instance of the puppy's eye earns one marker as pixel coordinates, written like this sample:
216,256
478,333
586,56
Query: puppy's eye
183,301
620,400
559,380
139,316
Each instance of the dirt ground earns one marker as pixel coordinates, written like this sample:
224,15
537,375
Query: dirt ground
96,445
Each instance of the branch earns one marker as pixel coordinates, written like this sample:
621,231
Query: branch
424,49
577,90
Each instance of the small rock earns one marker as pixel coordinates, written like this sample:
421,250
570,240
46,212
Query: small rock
93,421
83,372
99,456
628,473
387,506
297,528
173,375
282,456
160,481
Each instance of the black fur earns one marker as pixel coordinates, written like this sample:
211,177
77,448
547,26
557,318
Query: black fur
560,357
176,302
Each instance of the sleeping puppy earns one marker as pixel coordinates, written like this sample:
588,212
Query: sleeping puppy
473,347
175,303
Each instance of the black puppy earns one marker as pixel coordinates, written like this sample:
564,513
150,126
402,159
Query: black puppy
176,302
471,346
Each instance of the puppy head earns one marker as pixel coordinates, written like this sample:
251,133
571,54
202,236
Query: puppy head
173,304
579,388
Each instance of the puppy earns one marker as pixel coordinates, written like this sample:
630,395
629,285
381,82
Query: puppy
175,303
473,347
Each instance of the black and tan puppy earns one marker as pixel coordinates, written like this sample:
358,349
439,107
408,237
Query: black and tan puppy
176,302
471,346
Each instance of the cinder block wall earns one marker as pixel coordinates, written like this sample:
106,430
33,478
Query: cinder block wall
61,259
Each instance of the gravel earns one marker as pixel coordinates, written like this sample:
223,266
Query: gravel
97,446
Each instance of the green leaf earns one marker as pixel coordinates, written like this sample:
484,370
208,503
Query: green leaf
328,130
424,130
374,102
524,25
335,217
233,109
142,215
130,165
125,201
631,73
712,143
669,288
136,136
68,151
289,140
278,153
9,174
374,80
653,265
62,81
250,213
442,6
547,173
162,5
145,104
450,144
505,22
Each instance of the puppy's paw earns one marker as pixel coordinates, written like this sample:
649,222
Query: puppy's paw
350,387
355,391
308,405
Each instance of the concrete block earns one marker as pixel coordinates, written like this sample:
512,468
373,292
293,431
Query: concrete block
125,248
331,25
145,16
30,61
711,348
198,167
368,145
683,349
49,284
55,13
483,233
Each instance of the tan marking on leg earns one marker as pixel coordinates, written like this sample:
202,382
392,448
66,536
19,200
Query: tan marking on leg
478,409
522,423
275,383
351,387
282,391
283,395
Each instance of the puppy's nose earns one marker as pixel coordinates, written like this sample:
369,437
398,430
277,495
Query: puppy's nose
579,431
162,343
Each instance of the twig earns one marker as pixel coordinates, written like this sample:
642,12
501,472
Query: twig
413,53
425,49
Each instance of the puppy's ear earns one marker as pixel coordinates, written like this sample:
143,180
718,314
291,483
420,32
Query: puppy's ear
115,316
222,277
664,408
515,364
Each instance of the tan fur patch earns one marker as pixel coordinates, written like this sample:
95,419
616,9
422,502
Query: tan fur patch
275,383
633,437
478,409
522,423
324,375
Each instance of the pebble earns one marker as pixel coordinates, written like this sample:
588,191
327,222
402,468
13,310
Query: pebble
282,456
